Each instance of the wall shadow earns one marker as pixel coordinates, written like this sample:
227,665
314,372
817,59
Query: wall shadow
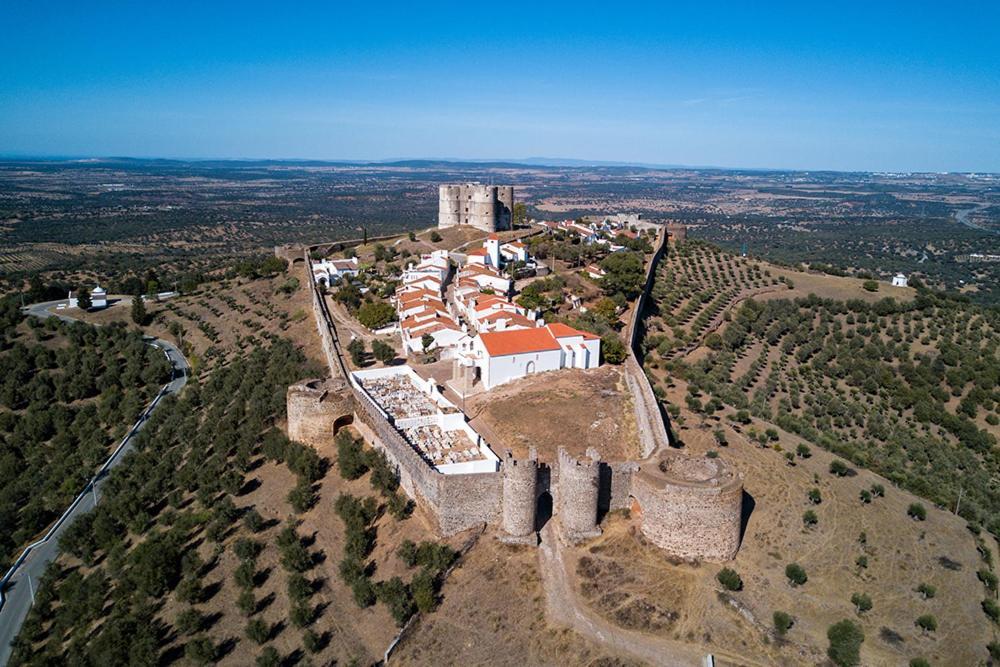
746,510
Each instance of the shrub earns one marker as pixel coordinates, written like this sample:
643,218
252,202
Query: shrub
246,602
269,657
729,579
246,549
782,622
991,609
189,621
988,578
424,596
364,592
612,349
351,459
809,518
312,642
870,286
916,511
919,662
435,237
796,575
815,497
396,595
383,351
926,591
257,630
865,496
407,553
803,451
845,643
878,490
201,651
838,468
927,623
862,602
862,562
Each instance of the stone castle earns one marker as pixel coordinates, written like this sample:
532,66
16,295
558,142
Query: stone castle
486,207
691,508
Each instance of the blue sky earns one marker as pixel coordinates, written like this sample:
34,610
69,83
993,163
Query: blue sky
848,86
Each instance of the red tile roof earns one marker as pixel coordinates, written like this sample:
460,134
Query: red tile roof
518,341
560,330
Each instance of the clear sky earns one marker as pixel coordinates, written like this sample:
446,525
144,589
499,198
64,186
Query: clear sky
811,85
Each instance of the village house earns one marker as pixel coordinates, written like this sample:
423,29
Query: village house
330,271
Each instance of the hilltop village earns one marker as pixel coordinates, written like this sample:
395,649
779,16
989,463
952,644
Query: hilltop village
466,321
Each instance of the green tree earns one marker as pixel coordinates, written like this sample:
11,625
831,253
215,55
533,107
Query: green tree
623,273
862,602
612,349
376,314
351,459
83,300
916,511
426,341
139,310
839,468
926,591
845,639
257,630
870,286
991,609
201,651
189,621
926,623
356,348
435,237
269,657
424,596
809,519
815,497
383,351
782,622
796,574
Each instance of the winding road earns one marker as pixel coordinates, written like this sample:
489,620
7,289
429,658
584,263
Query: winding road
17,585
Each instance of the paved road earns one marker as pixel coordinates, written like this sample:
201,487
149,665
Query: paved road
17,594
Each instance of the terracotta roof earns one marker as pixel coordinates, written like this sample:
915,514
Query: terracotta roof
493,237
512,319
560,330
482,270
478,252
518,341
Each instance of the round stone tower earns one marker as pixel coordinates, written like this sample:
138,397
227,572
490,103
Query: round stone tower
579,484
690,507
483,207
520,493
449,205
317,408
505,217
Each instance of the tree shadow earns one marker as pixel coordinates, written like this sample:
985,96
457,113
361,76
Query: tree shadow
261,576
276,630
249,486
208,592
209,621
226,647
264,603
293,658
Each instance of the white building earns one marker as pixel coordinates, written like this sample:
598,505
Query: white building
499,357
98,298
331,271
899,280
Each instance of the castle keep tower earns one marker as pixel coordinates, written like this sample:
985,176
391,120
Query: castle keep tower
579,485
486,207
316,408
520,492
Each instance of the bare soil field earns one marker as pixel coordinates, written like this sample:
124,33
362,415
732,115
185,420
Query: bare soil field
573,408
494,614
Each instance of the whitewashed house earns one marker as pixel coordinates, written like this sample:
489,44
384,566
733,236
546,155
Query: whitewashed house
899,280
504,356
331,271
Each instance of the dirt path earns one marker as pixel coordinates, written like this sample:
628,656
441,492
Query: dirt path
563,607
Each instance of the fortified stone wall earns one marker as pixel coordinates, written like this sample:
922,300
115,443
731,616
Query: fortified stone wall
616,485
691,507
314,407
467,501
653,434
